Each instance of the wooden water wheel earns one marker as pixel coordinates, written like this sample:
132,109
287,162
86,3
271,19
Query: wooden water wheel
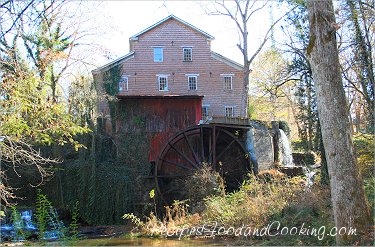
189,149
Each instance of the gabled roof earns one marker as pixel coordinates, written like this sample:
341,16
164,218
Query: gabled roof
114,62
135,37
226,60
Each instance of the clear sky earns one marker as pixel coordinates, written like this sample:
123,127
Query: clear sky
118,20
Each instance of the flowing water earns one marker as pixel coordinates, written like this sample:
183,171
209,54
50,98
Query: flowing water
286,157
250,147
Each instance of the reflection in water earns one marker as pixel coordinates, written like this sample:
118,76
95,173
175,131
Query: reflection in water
148,242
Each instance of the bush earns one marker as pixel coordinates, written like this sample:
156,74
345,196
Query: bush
364,147
205,182
254,203
312,210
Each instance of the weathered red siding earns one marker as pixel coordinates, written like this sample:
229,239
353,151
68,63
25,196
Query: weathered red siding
162,117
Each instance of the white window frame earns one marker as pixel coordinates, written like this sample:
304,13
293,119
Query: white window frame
226,108
204,116
162,54
166,82
188,81
183,54
124,81
230,83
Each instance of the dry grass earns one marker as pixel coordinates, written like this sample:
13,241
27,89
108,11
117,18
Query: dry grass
256,201
204,183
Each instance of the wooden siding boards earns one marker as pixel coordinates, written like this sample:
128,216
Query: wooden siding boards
173,34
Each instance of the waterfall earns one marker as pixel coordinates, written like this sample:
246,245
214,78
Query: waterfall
286,157
26,217
250,149
21,225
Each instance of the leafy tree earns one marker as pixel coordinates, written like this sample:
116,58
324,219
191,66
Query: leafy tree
31,116
82,100
271,83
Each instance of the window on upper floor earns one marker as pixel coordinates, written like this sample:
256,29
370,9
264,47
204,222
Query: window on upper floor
193,82
187,54
163,82
123,84
158,54
204,111
228,82
229,111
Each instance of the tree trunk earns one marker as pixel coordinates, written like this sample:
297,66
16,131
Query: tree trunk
324,177
350,206
309,117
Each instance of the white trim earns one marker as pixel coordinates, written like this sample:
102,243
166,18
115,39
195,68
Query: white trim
191,74
224,75
166,82
225,110
231,82
126,84
208,113
164,75
227,61
114,62
183,54
196,82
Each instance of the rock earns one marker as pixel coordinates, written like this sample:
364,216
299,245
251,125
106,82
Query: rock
263,147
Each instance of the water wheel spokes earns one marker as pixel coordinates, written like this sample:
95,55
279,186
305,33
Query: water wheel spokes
189,149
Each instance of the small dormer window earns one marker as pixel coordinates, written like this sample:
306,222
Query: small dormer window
123,84
187,54
158,54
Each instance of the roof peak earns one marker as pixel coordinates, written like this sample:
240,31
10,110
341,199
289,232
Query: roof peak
135,37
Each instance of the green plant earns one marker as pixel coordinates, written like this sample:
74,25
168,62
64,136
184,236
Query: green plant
42,214
134,219
17,224
47,218
73,226
138,121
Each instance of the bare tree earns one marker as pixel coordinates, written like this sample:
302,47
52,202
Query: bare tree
241,13
34,39
348,198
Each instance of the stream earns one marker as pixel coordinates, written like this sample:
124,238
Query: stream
149,242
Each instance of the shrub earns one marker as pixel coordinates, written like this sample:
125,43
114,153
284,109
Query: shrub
254,203
364,147
311,209
205,182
